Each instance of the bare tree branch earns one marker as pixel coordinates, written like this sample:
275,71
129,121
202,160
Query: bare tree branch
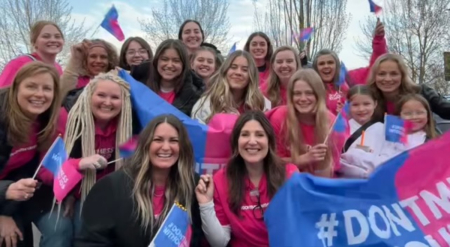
18,16
418,31
284,17
165,22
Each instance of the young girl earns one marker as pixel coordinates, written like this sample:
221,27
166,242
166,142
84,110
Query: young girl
232,206
203,62
134,51
47,41
259,46
283,64
365,139
234,89
414,108
191,34
302,126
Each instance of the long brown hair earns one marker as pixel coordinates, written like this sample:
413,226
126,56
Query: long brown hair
266,38
273,82
430,128
407,86
18,124
180,184
123,51
293,135
274,167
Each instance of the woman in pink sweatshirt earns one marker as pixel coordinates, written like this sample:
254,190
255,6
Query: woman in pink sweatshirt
47,41
327,64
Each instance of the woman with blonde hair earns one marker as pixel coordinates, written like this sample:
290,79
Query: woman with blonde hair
389,80
47,41
283,64
28,113
302,126
127,207
88,59
99,120
233,89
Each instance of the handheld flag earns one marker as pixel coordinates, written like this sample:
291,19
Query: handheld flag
127,149
306,33
403,203
176,229
342,75
374,8
396,129
341,124
111,24
233,49
55,156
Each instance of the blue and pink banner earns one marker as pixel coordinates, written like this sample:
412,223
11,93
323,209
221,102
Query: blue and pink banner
176,229
111,24
396,129
404,203
211,142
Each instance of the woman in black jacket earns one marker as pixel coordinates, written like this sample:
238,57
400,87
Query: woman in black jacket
127,207
28,112
171,77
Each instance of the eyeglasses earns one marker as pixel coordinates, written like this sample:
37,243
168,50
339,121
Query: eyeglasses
140,52
414,113
258,211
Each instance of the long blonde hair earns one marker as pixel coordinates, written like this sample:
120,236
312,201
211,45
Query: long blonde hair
273,82
407,86
180,184
19,126
80,124
220,94
293,135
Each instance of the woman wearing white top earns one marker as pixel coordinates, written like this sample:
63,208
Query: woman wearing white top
367,136
233,89
414,108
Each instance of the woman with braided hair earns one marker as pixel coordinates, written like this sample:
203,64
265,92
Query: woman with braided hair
99,120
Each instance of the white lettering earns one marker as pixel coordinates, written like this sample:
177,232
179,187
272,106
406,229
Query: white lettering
373,211
430,240
411,203
364,232
401,219
20,150
415,244
432,201
444,234
251,207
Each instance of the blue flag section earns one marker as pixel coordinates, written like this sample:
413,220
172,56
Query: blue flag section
149,105
176,229
55,156
404,203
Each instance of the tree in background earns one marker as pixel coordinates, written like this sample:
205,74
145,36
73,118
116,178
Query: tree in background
281,18
17,18
166,21
418,30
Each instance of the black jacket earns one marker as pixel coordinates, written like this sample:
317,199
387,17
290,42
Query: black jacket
109,218
186,98
438,104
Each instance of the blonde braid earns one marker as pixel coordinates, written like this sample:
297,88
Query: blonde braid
80,124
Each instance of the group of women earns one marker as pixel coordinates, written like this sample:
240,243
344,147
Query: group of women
285,110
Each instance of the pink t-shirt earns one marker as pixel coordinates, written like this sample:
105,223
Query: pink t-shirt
83,81
11,69
264,74
158,200
22,154
390,107
277,118
283,93
246,230
169,96
334,96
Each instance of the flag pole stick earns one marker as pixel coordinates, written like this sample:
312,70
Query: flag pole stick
40,164
331,129
95,31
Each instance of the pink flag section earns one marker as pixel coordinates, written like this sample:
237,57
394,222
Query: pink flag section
68,177
218,150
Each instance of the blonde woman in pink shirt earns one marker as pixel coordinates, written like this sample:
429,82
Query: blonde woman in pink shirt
232,204
47,41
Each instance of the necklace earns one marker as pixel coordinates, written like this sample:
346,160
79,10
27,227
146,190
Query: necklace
158,195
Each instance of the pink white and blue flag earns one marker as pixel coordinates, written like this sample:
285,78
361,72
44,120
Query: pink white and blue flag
306,33
396,129
374,8
111,24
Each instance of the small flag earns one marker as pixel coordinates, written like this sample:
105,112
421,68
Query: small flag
306,33
375,8
342,75
342,125
111,24
396,129
55,156
233,48
127,149
176,229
